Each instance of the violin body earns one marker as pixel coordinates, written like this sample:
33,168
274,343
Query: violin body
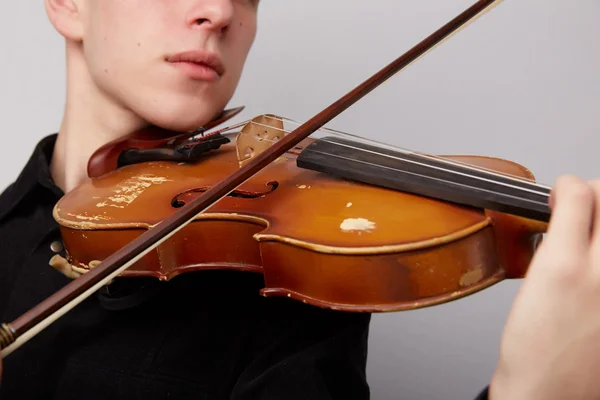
324,240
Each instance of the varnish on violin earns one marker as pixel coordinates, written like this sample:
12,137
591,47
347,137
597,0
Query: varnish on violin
331,220
329,223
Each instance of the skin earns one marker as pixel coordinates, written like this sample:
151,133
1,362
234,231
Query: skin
119,82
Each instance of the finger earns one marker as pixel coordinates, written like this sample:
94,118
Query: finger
573,212
552,199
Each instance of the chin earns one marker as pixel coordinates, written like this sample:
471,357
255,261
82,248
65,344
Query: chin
183,119
178,125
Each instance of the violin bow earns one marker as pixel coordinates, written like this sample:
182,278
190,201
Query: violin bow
29,324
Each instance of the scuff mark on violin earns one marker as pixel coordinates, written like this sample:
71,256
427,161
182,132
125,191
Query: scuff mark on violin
130,190
348,205
357,224
471,277
86,218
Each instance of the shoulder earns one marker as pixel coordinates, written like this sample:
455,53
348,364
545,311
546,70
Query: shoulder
33,175
7,200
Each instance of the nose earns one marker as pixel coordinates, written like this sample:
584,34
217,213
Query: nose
213,15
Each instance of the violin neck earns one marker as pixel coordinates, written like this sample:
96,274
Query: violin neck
433,177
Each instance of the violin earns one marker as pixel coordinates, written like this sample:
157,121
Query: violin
333,221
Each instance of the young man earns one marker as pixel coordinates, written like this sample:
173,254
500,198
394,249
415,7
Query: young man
210,335
174,64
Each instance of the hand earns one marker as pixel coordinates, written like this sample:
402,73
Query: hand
63,266
551,343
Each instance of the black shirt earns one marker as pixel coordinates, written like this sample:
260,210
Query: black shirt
207,335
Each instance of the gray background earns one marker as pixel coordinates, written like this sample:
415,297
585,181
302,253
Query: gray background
520,83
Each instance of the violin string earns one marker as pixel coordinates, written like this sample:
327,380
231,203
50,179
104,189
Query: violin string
408,152
517,179
421,155
227,128
377,143
433,167
444,181
467,175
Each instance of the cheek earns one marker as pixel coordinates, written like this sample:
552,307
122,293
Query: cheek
242,40
114,45
114,52
248,27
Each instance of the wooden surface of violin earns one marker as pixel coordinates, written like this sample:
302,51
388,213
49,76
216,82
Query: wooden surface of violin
317,238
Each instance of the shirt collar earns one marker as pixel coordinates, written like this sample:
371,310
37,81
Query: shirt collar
34,176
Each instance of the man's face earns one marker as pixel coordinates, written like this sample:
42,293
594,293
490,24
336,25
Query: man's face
136,50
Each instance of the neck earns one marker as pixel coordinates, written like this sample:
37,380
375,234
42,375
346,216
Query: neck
481,182
90,120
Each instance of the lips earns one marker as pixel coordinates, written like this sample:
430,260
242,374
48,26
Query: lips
199,61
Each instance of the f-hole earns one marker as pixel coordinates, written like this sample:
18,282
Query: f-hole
180,200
